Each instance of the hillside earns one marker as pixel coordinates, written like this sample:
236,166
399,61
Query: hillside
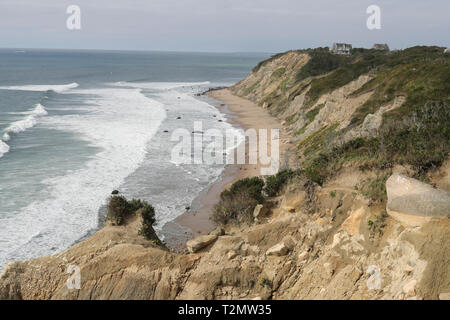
367,197
375,109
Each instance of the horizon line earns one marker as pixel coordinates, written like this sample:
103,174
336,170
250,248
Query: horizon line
132,50
188,51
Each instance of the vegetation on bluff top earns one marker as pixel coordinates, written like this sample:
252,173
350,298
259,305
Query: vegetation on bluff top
325,71
422,74
415,134
119,209
275,183
237,204
321,62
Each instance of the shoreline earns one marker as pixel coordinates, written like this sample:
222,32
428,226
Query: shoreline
243,114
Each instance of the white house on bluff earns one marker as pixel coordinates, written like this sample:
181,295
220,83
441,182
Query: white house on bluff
344,49
381,46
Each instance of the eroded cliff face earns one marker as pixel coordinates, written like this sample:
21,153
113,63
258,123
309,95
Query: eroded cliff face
293,252
271,76
274,85
328,241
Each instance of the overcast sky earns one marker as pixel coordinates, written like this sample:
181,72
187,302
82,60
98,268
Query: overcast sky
221,25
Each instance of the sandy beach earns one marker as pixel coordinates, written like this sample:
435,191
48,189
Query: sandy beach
244,114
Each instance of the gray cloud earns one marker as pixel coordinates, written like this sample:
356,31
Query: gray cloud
225,25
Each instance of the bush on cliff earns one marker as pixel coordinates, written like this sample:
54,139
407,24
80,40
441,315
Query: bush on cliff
275,183
119,208
248,186
147,213
236,204
321,61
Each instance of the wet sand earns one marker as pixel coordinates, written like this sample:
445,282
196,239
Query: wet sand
242,113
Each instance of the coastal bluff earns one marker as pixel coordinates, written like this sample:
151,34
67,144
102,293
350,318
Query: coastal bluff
358,133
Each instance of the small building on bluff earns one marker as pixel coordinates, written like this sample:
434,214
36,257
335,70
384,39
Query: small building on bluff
381,46
343,49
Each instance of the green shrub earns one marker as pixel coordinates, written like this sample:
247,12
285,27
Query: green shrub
376,189
321,62
317,170
278,73
311,115
252,187
276,182
235,209
118,209
147,213
265,282
377,226
236,204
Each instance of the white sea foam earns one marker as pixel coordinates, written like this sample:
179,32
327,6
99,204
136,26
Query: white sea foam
121,122
56,88
161,85
28,122
170,202
4,148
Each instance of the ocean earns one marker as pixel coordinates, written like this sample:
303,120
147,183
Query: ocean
75,125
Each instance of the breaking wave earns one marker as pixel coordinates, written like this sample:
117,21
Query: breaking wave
4,148
55,88
28,122
161,85
120,123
